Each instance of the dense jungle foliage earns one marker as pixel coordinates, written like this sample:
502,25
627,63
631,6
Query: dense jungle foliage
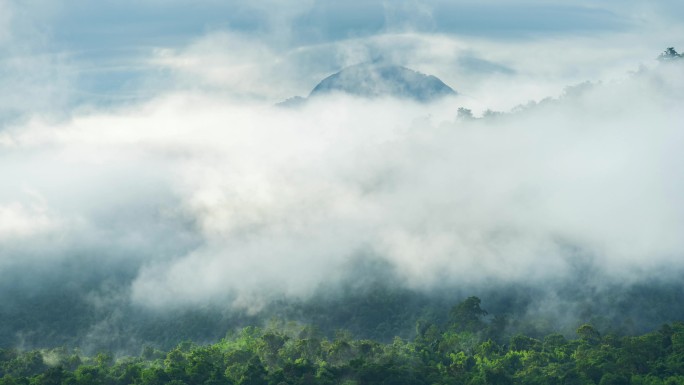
466,349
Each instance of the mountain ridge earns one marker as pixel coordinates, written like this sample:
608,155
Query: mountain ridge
373,80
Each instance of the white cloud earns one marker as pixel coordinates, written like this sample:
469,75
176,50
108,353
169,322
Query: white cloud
221,196
282,200
488,73
233,63
20,221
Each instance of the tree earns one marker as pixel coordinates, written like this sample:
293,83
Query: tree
521,342
589,334
52,376
254,374
175,363
464,113
613,379
90,375
467,315
669,54
205,365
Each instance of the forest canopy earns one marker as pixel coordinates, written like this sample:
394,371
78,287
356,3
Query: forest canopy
463,350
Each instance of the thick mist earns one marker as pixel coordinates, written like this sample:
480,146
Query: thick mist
153,191
192,200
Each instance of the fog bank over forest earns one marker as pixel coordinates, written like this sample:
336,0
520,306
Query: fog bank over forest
182,203
192,201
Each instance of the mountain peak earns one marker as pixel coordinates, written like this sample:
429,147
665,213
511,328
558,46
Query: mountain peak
372,80
377,80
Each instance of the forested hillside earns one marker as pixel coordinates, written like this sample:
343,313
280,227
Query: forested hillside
466,349
371,305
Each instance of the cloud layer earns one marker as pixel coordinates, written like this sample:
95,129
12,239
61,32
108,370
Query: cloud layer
156,173
251,201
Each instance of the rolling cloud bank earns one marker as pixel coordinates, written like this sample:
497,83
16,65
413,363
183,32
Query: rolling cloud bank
206,200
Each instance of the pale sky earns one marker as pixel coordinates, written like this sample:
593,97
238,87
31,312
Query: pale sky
57,55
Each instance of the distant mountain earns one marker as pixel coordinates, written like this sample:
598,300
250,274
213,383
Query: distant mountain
371,80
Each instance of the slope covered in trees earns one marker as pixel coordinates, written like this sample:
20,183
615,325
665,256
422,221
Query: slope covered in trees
463,350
